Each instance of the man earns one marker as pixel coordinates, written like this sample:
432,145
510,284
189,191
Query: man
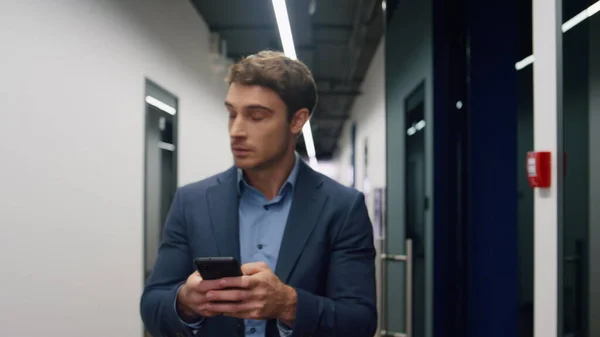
305,242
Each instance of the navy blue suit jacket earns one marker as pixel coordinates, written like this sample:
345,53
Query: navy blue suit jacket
327,254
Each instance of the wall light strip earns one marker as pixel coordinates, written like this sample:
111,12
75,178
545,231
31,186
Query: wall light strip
574,21
162,106
287,41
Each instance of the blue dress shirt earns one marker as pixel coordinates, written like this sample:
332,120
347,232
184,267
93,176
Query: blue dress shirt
262,224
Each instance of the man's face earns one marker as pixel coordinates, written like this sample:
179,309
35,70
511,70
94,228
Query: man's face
259,129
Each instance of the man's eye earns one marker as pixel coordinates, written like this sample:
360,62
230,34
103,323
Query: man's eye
257,116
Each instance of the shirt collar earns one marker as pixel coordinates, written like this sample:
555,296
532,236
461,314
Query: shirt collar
291,180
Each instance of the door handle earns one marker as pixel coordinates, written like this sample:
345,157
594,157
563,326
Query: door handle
409,287
408,259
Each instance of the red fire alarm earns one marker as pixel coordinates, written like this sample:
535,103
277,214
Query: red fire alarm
538,169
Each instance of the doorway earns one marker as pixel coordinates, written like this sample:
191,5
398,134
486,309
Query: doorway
404,281
416,201
160,184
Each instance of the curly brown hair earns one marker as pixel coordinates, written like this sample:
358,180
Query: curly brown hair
290,79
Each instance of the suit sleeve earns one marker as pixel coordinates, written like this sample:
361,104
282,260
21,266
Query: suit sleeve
171,269
350,308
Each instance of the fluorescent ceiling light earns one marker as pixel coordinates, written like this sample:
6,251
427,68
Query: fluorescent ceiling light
308,139
579,18
309,142
285,31
287,41
312,162
312,7
574,21
593,9
162,106
416,127
524,62
166,146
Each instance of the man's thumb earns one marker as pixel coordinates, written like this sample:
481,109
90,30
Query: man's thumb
254,268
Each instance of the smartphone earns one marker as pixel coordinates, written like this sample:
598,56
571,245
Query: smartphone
214,268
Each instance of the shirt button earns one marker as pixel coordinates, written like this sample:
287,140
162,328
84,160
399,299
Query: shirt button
260,246
253,330
266,207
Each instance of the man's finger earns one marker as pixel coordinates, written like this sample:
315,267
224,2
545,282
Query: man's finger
197,298
207,313
229,309
228,295
250,314
207,285
254,267
244,282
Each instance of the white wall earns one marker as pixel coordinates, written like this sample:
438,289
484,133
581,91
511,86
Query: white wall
328,168
71,202
368,112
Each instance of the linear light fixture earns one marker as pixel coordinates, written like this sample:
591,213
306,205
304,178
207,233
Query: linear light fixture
579,18
416,127
574,21
287,41
285,31
162,106
166,146
524,62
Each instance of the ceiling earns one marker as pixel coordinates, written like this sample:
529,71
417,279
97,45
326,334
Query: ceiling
336,42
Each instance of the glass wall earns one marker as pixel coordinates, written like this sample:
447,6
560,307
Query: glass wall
524,144
579,291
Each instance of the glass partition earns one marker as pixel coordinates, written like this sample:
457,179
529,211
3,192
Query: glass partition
579,289
524,144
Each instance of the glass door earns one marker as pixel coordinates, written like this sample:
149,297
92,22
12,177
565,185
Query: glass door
404,258
566,121
415,208
580,121
406,251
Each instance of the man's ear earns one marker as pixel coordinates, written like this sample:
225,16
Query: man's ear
299,118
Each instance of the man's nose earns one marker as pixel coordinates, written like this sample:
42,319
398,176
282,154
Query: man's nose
238,127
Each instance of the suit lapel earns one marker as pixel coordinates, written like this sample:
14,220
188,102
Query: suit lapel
304,214
223,205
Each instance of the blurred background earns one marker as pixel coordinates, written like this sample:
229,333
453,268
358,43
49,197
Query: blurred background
440,111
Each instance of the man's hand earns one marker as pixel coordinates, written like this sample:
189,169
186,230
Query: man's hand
259,295
191,299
